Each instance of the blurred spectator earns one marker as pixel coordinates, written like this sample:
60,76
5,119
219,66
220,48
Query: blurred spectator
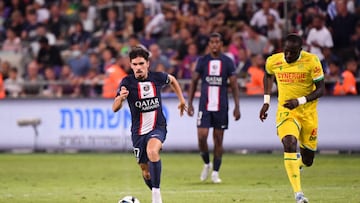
41,31
113,76
157,58
16,23
355,40
332,76
243,62
51,88
5,69
161,25
343,28
91,9
12,42
187,7
79,37
346,85
187,65
202,39
235,45
140,19
57,23
182,43
88,23
259,19
14,84
90,84
4,15
133,41
204,10
34,81
17,5
49,56
329,57
42,12
257,43
254,84
152,7
319,37
233,14
70,86
113,24
274,32
30,25
108,58
95,63
297,17
79,62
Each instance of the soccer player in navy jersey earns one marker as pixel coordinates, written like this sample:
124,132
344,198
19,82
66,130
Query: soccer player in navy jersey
143,93
214,69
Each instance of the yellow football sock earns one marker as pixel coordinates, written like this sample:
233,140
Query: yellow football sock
292,169
300,162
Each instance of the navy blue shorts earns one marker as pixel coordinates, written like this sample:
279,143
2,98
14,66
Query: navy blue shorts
215,119
140,143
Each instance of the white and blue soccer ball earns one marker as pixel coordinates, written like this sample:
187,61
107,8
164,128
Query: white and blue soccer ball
129,199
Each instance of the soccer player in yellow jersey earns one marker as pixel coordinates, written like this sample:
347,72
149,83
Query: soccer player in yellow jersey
300,82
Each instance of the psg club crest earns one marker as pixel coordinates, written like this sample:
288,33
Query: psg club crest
146,88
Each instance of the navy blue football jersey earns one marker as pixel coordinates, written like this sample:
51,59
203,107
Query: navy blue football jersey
214,74
144,101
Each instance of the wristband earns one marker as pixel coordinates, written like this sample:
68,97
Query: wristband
301,100
266,98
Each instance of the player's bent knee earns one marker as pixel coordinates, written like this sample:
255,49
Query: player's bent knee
153,154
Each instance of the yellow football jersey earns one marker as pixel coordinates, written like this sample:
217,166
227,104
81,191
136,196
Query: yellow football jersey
296,79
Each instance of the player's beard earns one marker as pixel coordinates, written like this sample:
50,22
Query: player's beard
140,75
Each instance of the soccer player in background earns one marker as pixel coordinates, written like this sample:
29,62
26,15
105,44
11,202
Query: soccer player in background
143,93
214,69
300,81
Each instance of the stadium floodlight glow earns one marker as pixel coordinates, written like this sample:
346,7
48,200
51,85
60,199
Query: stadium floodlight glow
34,122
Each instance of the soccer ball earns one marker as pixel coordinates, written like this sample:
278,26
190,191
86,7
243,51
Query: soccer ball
129,199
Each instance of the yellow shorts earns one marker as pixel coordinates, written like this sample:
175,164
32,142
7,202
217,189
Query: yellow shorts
302,126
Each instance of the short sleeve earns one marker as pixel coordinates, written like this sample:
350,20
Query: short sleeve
198,67
317,73
124,82
268,66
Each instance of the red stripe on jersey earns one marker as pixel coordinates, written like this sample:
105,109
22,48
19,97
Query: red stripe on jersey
154,88
139,95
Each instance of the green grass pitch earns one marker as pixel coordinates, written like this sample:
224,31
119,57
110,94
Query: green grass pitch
106,177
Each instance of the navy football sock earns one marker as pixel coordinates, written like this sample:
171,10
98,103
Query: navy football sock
205,157
148,182
155,173
217,164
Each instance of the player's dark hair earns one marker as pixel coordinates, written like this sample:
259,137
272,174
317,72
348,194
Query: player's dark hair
294,38
139,52
216,35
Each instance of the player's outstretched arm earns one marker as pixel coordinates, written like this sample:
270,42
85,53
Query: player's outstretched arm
235,91
268,81
118,101
177,89
193,85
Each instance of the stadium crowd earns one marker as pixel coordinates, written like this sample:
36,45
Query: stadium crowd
63,48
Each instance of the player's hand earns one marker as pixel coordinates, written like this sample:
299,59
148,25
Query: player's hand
123,93
182,107
236,113
190,110
263,112
291,104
